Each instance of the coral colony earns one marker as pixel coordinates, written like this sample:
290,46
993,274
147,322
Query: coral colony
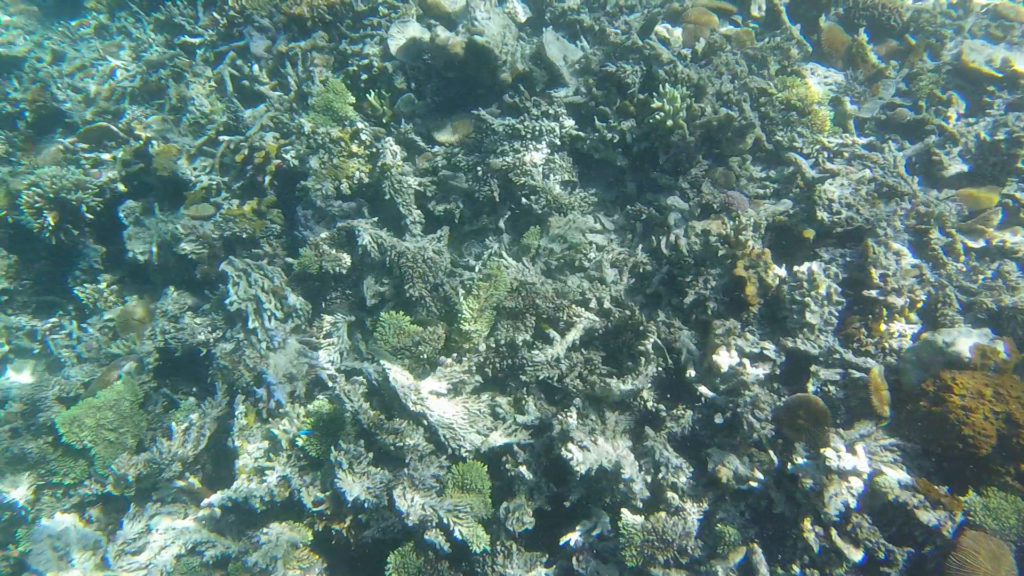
511,287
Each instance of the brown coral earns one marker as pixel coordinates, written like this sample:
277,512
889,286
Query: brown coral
973,420
978,554
802,418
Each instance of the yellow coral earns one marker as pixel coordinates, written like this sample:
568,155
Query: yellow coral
759,274
800,95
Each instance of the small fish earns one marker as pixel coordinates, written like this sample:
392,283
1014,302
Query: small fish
978,198
112,373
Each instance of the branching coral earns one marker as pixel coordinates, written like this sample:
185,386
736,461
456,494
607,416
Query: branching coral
414,345
58,202
661,538
468,484
260,292
333,103
324,425
478,309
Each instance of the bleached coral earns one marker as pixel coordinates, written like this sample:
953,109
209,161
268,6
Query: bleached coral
267,468
153,537
64,544
595,445
283,548
18,490
359,481
814,299
467,422
173,454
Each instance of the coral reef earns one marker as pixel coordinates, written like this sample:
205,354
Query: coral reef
474,287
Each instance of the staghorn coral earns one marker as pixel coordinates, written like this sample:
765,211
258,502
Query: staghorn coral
420,267
465,421
283,548
154,536
260,292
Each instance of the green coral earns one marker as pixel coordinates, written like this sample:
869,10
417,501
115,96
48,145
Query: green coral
725,538
478,309
407,561
334,103
658,539
631,538
1000,513
67,468
320,257
396,334
108,424
190,566
468,481
469,484
475,536
672,109
324,424
530,241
